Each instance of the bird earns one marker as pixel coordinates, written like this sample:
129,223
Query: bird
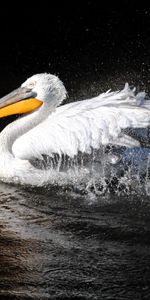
45,126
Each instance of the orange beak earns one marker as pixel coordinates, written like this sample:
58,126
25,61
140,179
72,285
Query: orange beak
20,101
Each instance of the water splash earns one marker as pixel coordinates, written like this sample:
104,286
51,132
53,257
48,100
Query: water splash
109,170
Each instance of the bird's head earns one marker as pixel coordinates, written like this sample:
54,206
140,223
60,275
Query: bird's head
36,91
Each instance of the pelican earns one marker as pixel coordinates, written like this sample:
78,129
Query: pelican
47,127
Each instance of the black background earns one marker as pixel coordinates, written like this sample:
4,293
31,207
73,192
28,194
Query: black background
80,41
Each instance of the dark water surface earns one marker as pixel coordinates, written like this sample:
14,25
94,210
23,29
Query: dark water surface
56,244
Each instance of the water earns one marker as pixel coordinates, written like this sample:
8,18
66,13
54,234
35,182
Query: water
83,239
57,245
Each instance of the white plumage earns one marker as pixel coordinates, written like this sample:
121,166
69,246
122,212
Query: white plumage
68,129
83,125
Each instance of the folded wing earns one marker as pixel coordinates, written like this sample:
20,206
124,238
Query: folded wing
85,125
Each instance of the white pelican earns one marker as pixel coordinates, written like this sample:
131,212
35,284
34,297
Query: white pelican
76,127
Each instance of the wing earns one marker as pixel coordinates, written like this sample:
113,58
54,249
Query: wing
87,124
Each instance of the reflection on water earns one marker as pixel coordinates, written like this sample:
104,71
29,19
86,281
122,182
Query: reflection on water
55,244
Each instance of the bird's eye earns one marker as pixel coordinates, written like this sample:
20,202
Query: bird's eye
32,84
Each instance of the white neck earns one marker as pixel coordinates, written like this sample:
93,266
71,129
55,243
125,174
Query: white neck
19,127
11,167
